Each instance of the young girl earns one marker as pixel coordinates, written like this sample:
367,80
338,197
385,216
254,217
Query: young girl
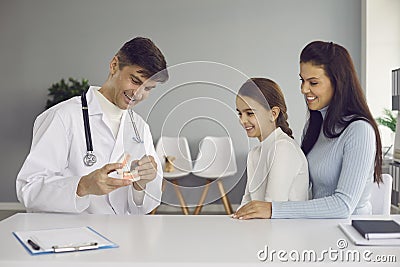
341,141
277,168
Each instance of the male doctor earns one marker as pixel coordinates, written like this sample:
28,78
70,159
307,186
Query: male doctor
54,176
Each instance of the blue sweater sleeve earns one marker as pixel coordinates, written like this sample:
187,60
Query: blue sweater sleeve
357,163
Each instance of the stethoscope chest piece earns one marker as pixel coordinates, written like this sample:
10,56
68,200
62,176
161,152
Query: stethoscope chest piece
89,159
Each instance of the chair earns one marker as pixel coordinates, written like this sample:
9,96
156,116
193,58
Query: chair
216,159
381,196
177,147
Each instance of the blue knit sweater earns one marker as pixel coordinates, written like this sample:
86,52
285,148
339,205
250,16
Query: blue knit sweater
341,172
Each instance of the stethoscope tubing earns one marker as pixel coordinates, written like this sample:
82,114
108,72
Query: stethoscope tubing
85,113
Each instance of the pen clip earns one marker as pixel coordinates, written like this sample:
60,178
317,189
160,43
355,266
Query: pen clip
89,246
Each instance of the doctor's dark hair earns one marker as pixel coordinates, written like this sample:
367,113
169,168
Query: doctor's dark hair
348,103
144,53
269,94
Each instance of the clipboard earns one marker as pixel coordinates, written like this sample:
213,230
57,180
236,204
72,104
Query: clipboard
62,240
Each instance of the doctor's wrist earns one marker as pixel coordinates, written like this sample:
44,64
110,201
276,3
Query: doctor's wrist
81,189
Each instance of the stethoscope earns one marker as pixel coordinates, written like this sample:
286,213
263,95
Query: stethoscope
90,158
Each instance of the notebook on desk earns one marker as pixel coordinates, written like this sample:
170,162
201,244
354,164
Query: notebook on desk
62,240
359,240
377,229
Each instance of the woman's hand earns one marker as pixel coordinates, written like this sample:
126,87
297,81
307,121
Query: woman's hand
254,209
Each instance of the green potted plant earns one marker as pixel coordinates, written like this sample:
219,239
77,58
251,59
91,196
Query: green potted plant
63,90
389,120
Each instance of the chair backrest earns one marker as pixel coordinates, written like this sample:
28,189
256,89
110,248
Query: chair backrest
381,196
216,158
177,147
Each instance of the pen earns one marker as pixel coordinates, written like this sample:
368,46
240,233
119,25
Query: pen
33,244
92,245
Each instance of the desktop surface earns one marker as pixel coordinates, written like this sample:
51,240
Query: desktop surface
170,240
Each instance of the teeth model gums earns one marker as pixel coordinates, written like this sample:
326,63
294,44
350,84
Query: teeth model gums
125,172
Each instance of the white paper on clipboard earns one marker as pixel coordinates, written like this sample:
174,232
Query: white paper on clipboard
63,240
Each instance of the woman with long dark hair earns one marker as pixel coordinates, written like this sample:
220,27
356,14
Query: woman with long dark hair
341,141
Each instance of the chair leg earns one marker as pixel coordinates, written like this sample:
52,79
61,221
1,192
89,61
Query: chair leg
153,211
162,190
184,208
202,198
225,200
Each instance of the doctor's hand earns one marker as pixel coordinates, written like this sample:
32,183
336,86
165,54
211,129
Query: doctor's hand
254,209
147,171
98,182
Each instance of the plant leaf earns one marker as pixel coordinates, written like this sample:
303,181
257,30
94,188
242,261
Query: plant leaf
63,90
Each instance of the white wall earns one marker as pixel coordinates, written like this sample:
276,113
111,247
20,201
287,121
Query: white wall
382,55
43,41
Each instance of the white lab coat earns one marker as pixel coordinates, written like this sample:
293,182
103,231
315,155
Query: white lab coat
49,177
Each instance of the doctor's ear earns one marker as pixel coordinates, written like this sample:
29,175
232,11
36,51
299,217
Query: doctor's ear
114,65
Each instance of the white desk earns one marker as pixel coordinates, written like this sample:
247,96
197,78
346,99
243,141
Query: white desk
172,240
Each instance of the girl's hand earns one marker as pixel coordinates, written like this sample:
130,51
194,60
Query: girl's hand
254,209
